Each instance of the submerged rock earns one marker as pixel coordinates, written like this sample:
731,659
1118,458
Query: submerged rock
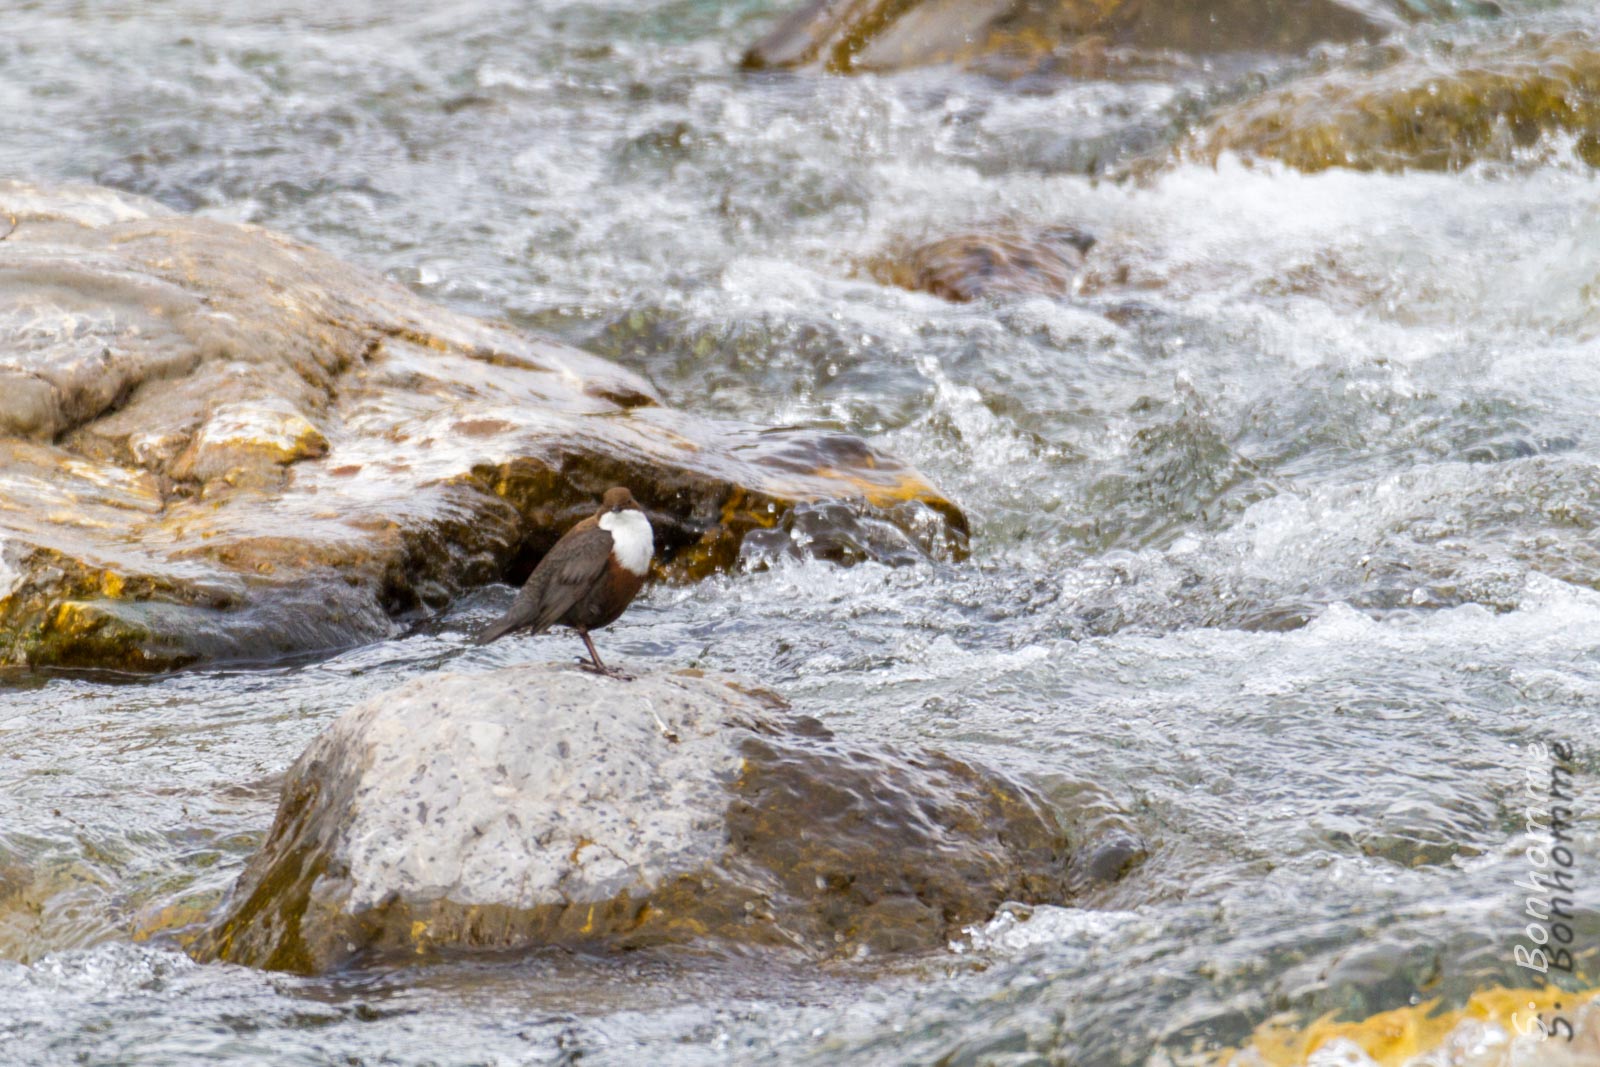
1438,110
1082,37
216,442
1499,1026
545,806
1004,261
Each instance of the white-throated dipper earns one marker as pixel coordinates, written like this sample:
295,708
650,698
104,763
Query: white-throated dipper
588,578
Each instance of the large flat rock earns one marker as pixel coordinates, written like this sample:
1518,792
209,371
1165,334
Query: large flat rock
216,442
539,806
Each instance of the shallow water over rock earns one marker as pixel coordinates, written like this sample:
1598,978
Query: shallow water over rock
1284,535
1086,37
225,445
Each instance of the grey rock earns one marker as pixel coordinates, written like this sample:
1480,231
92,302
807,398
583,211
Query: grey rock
542,805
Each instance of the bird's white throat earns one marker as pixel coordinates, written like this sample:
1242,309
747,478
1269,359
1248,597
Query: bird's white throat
632,542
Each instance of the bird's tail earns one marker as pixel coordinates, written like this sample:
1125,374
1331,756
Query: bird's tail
498,629
511,620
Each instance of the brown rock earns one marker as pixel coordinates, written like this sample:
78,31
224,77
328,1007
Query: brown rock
1441,110
220,443
1083,36
541,806
1004,262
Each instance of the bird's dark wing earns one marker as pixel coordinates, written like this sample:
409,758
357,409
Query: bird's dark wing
568,571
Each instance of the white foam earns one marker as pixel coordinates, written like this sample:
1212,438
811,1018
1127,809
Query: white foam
10,577
1018,928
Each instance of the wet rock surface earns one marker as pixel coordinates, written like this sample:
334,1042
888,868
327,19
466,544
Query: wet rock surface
998,262
1079,37
540,806
1434,109
218,443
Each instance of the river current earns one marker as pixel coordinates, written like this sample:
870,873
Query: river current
1284,521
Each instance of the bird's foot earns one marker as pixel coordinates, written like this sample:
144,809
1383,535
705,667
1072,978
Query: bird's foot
605,672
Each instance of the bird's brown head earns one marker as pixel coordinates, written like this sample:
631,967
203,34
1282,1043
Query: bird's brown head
618,498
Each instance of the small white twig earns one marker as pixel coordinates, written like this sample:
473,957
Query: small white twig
666,731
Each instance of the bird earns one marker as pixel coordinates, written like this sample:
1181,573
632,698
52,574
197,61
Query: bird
588,579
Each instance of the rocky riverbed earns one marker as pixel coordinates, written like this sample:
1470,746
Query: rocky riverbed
1164,431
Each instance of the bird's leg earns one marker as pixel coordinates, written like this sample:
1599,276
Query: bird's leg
595,664
598,667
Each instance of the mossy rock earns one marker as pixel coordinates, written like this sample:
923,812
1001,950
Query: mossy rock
1444,108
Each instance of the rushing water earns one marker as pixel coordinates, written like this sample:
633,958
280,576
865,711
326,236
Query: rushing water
1285,526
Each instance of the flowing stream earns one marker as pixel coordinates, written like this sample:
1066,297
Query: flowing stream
1286,521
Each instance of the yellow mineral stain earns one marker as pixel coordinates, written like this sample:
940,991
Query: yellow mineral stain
732,505
69,617
169,918
111,584
906,487
1393,1037
419,931
588,923
424,340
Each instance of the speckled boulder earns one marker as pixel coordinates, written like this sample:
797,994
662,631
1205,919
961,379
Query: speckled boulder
542,806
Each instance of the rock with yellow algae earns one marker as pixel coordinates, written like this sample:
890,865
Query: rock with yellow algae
540,806
1494,1028
1439,109
240,441
217,443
